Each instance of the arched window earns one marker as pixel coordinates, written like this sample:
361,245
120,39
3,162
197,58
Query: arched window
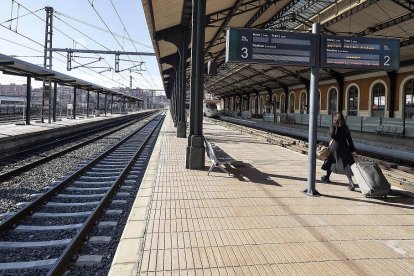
378,100
353,101
303,106
409,99
292,103
333,99
282,103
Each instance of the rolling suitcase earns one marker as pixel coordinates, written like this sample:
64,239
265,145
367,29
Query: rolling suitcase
370,179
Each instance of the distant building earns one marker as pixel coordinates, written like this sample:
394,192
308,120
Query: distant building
12,89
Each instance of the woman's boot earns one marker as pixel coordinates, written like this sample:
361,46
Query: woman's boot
325,178
351,184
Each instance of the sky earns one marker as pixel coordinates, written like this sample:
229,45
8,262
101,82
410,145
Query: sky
69,32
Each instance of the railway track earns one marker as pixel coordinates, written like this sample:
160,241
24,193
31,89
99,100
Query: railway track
45,235
398,175
15,163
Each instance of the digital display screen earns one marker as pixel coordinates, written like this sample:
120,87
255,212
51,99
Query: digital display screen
360,53
270,47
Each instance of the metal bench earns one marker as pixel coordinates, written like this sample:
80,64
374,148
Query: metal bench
391,130
216,163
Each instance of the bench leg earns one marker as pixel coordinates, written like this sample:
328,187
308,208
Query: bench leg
223,169
211,168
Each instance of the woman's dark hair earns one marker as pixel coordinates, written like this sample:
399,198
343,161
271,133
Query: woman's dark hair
339,119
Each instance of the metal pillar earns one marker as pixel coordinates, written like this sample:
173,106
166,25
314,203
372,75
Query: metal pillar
112,104
341,84
195,158
393,92
97,102
311,190
74,102
47,58
181,124
175,101
28,99
106,100
248,102
50,102
54,100
87,104
256,108
42,112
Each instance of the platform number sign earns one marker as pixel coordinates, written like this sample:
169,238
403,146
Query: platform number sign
360,53
269,47
298,49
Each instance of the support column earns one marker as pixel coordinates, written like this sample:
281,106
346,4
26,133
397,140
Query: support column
28,99
393,93
54,100
248,102
97,102
341,84
106,101
174,99
43,103
74,102
87,104
181,124
313,119
49,109
256,108
195,158
112,104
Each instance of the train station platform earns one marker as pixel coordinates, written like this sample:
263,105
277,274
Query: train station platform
258,222
14,136
394,147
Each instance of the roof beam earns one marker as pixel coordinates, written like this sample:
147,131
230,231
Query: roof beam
349,12
406,4
281,13
5,63
387,24
226,21
220,15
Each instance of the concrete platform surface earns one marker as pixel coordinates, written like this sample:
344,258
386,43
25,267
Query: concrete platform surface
258,222
9,130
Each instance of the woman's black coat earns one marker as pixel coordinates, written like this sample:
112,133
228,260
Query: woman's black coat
340,158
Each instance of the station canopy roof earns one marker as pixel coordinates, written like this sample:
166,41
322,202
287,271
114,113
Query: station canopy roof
13,66
371,18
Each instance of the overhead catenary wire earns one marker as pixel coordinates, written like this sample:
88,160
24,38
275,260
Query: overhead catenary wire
125,29
99,75
62,61
106,25
76,42
101,29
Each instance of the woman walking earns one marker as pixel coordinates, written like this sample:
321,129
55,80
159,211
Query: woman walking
341,148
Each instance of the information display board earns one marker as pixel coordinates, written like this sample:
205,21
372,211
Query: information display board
270,47
360,53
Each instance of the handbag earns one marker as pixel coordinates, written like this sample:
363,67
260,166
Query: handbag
323,153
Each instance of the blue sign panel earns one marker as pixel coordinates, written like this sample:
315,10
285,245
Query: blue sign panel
360,53
270,47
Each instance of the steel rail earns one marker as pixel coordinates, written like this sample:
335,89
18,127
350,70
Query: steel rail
45,159
30,207
66,257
